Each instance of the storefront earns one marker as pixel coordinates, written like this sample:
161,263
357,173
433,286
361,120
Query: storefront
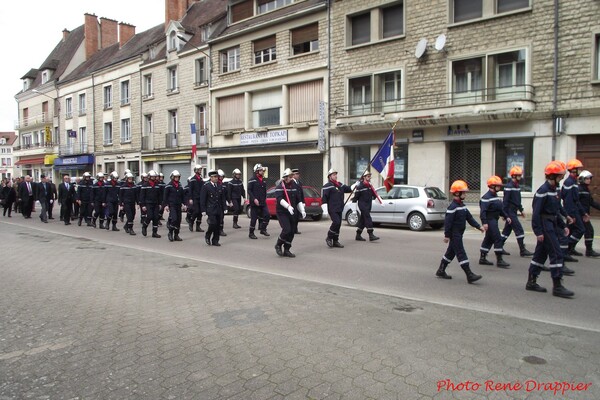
74,166
167,163
32,166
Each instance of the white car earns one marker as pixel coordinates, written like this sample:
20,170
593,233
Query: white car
415,206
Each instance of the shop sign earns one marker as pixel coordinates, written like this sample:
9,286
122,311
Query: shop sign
264,137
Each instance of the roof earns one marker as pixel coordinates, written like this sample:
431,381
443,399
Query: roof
271,16
10,137
31,74
115,54
200,14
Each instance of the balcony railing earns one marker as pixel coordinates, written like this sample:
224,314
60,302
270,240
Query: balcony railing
30,146
73,148
439,100
202,137
33,121
171,140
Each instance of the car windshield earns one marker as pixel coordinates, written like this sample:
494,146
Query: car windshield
310,192
435,193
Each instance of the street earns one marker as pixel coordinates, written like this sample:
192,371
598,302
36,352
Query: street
88,313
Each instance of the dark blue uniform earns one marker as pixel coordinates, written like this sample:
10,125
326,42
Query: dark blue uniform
212,202
364,195
112,202
257,190
174,197
587,202
512,205
457,216
99,201
235,192
333,196
84,195
129,197
491,209
288,193
195,188
570,196
151,199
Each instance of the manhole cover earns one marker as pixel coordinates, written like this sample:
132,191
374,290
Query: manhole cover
534,360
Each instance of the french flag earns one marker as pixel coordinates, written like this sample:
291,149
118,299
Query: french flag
383,161
193,130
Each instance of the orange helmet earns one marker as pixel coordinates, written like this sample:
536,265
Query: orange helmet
516,170
494,181
554,168
574,164
459,186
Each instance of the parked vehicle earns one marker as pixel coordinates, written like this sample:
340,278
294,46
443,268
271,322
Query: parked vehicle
312,199
415,206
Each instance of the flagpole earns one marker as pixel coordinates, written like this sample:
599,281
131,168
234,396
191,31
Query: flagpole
369,167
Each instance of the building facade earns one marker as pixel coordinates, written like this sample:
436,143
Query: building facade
7,141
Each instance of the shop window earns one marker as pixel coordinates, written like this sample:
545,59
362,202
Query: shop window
515,152
401,164
358,161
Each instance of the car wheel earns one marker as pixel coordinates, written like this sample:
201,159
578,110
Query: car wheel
352,218
436,226
317,217
416,221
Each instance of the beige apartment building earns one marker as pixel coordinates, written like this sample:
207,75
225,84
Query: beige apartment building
270,75
469,86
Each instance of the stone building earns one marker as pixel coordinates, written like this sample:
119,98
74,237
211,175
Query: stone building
7,141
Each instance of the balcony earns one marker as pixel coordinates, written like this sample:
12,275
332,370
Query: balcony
148,142
171,140
73,148
439,108
202,137
34,121
34,146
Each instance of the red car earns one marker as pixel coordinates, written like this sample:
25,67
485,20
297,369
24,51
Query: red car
312,199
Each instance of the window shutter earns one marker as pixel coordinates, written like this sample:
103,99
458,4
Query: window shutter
264,43
304,101
242,10
305,34
231,112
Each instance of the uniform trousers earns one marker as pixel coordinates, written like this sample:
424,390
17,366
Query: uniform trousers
548,248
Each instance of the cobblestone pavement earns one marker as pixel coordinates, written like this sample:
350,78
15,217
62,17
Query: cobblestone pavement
108,322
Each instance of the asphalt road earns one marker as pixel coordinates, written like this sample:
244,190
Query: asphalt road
402,263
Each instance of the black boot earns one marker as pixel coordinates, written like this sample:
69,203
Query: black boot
170,235
500,263
222,233
337,244
523,252
198,229
559,290
126,228
278,249
177,238
532,284
372,237
359,236
471,277
288,253
235,222
329,241
114,227
441,272
572,250
155,233
131,231
79,223
589,252
191,225
567,271
569,258
483,259
144,229
101,224
264,232
505,253
251,235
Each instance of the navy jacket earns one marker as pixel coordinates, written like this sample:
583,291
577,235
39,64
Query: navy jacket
333,196
235,189
257,189
364,196
129,193
212,199
457,216
546,206
586,199
491,207
174,195
512,197
84,191
292,194
570,196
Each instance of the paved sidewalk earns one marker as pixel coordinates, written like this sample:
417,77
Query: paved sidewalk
98,322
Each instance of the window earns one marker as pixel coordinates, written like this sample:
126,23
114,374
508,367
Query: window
492,77
401,164
596,63
172,121
229,113
82,105
148,86
201,75
266,106
25,84
361,29
172,80
201,131
515,152
264,50
391,91
304,101
270,5
241,10
230,60
45,115
107,97
360,95
26,116
383,22
125,93
83,134
173,43
148,124
45,77
358,161
108,137
467,10
125,130
69,107
305,39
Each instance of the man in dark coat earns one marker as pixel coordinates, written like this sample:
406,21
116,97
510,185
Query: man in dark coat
212,204
26,194
43,195
66,195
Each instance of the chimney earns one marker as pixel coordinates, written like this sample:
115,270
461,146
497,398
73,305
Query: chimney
65,34
126,32
108,32
91,35
175,10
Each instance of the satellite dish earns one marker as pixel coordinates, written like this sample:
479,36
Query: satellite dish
421,48
440,42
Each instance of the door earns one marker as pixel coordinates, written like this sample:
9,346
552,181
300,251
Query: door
465,164
588,152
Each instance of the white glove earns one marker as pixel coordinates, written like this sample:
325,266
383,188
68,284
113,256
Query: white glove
229,204
354,185
225,212
324,208
302,210
291,210
51,201
204,213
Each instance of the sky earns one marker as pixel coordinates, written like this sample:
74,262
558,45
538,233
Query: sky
36,28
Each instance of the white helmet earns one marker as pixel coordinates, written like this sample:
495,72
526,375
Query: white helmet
331,171
127,171
175,173
237,172
144,175
99,175
585,174
87,175
221,173
161,175
152,173
286,172
367,172
258,167
128,175
114,175
197,167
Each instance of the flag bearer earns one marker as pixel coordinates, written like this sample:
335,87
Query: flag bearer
288,203
173,203
457,217
333,205
546,223
587,201
491,210
364,196
512,205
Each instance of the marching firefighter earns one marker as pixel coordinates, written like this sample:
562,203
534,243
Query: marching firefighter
212,204
143,180
161,184
173,203
112,200
287,198
121,183
195,188
296,180
84,199
128,196
364,195
99,200
491,210
150,203
223,189
257,194
457,217
546,223
587,201
512,205
333,205
570,196
235,193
